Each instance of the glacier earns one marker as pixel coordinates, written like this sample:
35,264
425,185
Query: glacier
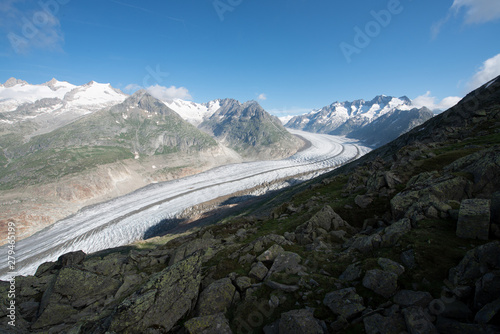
125,219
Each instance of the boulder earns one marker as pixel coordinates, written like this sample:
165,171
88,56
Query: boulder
271,254
418,322
351,273
487,289
376,324
391,266
344,303
363,201
73,290
474,219
258,271
455,309
243,283
286,262
211,324
299,322
71,259
216,298
323,222
167,297
488,312
476,263
408,259
395,231
381,282
405,298
282,287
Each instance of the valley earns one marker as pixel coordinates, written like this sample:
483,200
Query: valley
126,219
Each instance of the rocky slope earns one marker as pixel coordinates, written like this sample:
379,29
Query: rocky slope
403,240
376,122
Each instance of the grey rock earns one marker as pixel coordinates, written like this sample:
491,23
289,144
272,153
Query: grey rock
71,259
299,322
476,263
258,271
271,254
381,282
286,262
474,219
378,324
216,298
391,266
488,312
363,201
211,324
407,298
243,283
394,232
487,289
366,244
408,259
418,322
345,303
166,298
351,273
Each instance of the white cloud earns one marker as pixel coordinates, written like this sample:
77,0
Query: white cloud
429,101
478,11
262,97
169,93
37,28
132,87
488,71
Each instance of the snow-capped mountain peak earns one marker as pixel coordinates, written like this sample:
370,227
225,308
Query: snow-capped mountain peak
194,113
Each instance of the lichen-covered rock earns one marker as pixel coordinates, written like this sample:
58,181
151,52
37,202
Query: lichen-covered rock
418,322
476,263
345,303
391,266
271,254
286,262
488,312
351,273
193,246
487,289
165,299
326,220
258,271
381,282
216,298
73,290
394,232
376,324
474,219
299,322
211,324
243,283
407,298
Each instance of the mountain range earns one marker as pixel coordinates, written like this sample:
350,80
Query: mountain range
64,146
375,122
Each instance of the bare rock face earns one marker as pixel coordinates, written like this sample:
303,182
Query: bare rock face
216,298
474,219
345,302
211,324
165,299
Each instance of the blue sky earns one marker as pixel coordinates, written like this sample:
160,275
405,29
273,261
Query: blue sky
291,55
